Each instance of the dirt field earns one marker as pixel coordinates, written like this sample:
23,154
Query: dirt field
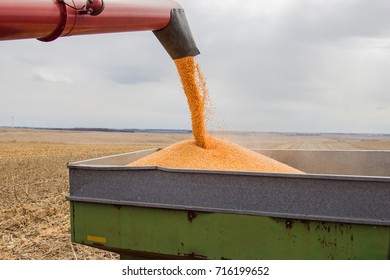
34,215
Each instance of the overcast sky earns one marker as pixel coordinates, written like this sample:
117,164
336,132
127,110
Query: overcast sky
270,65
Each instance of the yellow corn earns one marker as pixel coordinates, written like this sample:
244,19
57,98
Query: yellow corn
220,155
206,152
194,88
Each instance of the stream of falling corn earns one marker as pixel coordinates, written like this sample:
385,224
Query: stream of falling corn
207,152
194,87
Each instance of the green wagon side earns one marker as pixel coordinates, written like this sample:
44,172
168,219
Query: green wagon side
156,213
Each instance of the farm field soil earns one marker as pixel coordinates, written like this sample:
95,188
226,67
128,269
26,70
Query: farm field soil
34,215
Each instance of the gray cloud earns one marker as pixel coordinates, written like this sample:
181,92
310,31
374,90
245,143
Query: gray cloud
46,75
273,65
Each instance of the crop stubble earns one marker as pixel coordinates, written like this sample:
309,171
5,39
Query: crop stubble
34,215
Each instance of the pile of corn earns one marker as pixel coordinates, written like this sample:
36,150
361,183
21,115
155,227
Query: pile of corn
220,155
206,152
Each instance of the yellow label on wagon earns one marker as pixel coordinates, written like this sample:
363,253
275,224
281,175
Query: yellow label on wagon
97,239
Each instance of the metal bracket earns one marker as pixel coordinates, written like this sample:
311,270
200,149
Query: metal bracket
94,7
91,7
61,23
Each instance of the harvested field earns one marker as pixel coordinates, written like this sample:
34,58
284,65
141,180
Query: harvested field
34,215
